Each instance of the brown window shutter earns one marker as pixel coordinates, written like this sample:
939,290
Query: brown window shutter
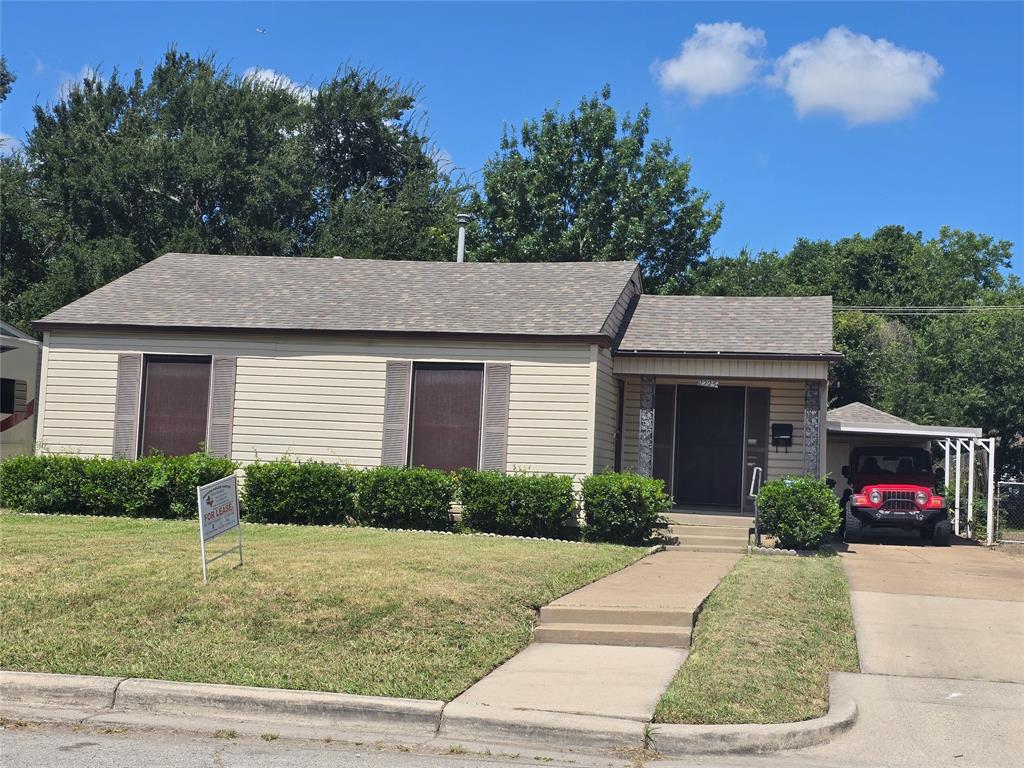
394,448
20,396
222,407
494,452
126,406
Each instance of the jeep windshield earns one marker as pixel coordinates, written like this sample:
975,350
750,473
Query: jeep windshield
904,463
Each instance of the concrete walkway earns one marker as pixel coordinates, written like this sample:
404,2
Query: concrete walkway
606,650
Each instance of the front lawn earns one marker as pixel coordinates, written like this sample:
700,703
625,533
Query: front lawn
764,644
330,609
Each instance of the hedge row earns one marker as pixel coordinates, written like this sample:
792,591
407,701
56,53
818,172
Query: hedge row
156,486
618,507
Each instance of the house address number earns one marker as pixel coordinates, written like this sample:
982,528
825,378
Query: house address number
713,383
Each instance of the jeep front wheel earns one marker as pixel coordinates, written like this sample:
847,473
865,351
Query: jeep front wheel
851,534
942,535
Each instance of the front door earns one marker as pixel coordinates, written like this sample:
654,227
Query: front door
709,446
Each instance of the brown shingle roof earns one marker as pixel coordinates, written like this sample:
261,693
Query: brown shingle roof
859,413
354,295
730,325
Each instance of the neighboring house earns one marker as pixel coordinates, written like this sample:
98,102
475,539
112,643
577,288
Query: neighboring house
553,367
19,375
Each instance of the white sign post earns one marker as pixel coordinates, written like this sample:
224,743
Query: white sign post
218,514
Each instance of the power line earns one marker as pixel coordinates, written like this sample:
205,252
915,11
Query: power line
965,309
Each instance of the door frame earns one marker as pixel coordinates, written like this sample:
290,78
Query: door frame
742,478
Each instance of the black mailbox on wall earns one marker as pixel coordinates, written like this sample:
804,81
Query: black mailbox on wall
782,435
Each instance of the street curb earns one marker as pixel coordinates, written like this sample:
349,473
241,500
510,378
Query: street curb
280,705
111,699
479,722
111,696
43,689
680,740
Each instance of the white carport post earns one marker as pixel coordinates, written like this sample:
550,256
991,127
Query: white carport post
956,518
970,487
945,474
990,513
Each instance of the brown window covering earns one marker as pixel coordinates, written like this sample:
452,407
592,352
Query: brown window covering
126,406
175,401
446,402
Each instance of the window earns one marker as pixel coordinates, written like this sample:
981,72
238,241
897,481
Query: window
7,395
175,401
446,401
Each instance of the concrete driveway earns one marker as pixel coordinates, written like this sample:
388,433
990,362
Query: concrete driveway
942,612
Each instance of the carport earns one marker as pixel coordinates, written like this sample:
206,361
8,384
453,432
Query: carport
858,425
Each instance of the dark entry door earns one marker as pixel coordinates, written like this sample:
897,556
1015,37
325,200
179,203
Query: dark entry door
709,452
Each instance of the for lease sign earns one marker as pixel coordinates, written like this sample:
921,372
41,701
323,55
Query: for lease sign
218,507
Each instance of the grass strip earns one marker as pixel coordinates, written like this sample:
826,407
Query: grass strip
766,640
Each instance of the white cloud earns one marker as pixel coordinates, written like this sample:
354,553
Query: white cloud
444,160
718,59
68,80
274,79
8,144
864,80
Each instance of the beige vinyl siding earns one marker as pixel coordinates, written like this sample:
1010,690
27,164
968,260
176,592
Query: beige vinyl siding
605,412
786,405
721,368
323,398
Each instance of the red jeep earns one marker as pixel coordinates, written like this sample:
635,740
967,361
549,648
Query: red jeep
893,488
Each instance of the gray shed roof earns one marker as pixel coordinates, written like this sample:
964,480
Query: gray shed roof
740,326
861,419
355,295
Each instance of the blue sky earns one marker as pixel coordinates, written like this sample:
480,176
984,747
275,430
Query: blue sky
798,130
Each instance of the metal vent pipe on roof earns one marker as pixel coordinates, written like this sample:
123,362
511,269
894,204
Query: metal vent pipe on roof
463,219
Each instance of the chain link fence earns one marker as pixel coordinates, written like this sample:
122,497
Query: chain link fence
1009,512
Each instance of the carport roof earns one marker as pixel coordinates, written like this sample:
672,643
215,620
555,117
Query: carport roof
861,419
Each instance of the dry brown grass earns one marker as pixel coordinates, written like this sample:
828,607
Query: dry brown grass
351,610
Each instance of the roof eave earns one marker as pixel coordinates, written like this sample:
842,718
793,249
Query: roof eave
901,430
57,325
806,356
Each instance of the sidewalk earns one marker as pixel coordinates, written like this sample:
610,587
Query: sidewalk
607,650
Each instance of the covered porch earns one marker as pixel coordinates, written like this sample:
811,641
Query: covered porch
719,395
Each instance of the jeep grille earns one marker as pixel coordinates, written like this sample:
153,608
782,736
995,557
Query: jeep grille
898,501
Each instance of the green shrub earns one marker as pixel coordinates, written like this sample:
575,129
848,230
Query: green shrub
800,512
400,497
156,486
623,507
520,505
44,484
303,492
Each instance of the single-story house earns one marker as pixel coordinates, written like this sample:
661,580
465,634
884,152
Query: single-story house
553,367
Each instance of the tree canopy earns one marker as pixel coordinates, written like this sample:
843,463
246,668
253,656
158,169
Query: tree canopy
587,186
960,369
195,158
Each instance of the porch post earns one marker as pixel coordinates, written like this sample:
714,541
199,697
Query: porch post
812,428
645,451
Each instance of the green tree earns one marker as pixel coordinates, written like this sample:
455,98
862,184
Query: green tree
585,186
195,158
7,79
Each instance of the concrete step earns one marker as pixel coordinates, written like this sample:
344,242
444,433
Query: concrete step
708,547
711,530
724,521
583,614
707,533
713,541
613,634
